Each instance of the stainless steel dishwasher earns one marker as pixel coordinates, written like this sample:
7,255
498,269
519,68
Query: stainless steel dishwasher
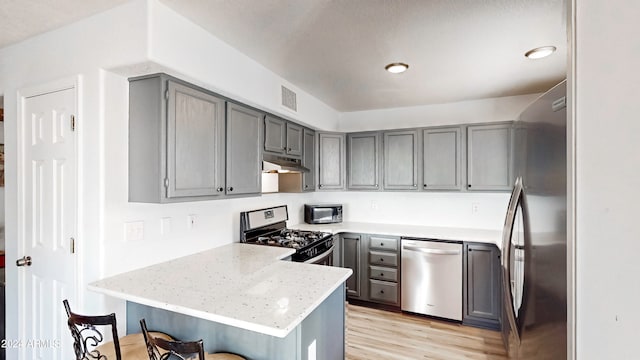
431,277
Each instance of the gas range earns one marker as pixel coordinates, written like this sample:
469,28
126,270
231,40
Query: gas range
268,227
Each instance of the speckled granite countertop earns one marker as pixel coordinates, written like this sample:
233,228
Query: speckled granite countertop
427,232
242,285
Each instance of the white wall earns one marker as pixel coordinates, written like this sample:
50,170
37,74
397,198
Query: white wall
464,112
607,85
447,209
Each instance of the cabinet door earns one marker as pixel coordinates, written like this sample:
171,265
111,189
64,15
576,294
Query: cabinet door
362,161
195,142
309,160
294,140
442,155
482,299
351,259
244,158
332,164
489,157
401,160
274,134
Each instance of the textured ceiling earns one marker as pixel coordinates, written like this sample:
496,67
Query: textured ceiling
337,49
22,19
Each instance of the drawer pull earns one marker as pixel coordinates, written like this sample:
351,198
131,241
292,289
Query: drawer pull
381,274
381,291
381,260
381,244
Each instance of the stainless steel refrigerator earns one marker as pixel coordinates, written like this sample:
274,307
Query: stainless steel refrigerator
534,247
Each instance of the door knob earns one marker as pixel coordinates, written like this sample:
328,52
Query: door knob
219,189
25,261
230,188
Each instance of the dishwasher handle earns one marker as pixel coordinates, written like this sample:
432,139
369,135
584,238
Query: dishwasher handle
431,251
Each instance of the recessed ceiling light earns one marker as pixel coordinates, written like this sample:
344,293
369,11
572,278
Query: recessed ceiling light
539,53
396,68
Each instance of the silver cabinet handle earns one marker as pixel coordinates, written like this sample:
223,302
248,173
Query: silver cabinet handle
25,261
431,251
219,189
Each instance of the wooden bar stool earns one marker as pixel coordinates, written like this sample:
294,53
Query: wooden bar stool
162,349
88,341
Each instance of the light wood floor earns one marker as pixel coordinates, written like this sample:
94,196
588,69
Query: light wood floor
378,334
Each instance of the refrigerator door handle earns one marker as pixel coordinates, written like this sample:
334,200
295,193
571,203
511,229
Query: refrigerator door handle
507,233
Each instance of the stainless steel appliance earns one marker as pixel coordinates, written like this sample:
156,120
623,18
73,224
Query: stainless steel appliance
268,227
534,247
431,277
322,213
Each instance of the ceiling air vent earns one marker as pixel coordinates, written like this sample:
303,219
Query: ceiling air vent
289,99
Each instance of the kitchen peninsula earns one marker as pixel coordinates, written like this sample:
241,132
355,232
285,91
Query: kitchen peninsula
239,298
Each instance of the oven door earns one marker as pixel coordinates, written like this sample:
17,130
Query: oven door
326,258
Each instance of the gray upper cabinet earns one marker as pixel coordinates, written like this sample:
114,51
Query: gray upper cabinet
489,157
274,134
362,161
176,141
294,140
401,160
282,137
332,161
441,159
309,160
244,156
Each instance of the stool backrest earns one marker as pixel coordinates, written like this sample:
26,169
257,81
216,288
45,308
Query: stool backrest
86,335
162,349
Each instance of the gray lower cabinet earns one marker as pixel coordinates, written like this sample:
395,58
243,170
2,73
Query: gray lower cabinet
482,289
363,161
309,160
331,169
176,141
351,249
489,162
400,160
441,159
244,160
383,269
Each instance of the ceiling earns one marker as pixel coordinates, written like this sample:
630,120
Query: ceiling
336,50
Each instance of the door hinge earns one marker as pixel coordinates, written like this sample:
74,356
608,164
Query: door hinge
73,123
166,94
166,182
72,245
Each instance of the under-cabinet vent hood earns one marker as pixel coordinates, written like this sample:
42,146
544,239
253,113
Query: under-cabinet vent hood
279,164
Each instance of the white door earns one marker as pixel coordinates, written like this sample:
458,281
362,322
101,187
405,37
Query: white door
47,223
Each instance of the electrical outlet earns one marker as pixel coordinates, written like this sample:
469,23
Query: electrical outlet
134,231
192,221
311,350
374,205
475,207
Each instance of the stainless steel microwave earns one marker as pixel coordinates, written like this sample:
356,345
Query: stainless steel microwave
322,213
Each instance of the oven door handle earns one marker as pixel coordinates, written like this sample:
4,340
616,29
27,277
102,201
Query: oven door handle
321,256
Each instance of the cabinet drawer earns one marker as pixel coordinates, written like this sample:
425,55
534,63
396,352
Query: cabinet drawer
383,291
383,273
383,258
383,243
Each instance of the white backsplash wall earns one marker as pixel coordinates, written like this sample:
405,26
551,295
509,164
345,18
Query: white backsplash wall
446,209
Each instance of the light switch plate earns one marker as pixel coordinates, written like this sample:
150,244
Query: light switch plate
165,226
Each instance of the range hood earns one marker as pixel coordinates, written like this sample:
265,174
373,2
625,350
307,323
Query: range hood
279,164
